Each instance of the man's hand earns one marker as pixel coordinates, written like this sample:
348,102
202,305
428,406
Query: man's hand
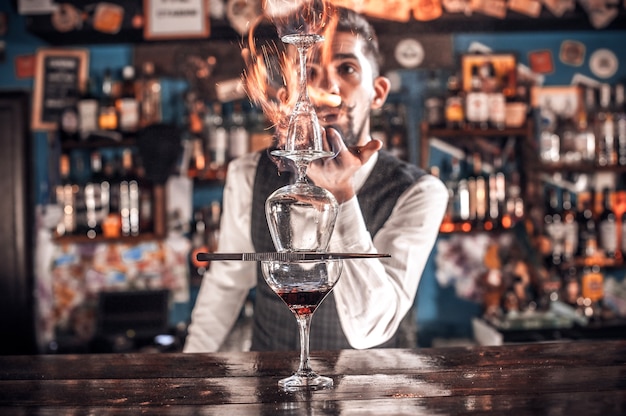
337,174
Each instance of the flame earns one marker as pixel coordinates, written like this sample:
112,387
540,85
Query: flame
271,75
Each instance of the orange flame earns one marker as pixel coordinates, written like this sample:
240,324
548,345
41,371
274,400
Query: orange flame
271,75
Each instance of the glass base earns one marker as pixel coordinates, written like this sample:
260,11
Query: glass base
305,381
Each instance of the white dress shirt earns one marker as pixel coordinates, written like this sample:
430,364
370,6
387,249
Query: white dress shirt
372,296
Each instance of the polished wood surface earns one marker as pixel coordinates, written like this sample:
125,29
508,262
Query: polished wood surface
573,378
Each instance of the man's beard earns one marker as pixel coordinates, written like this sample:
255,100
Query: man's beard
349,133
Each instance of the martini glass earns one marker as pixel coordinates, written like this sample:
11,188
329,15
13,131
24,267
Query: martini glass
303,286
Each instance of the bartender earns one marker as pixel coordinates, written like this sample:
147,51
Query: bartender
385,206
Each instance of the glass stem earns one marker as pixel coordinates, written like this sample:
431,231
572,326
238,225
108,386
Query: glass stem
301,167
304,94
304,324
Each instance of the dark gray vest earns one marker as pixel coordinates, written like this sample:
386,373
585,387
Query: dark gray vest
275,326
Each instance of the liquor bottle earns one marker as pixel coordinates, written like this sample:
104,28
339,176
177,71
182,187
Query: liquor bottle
497,194
567,130
592,289
107,113
69,121
112,223
197,268
587,228
239,140
605,129
66,198
620,124
570,226
464,210
549,141
481,191
87,107
150,96
496,101
127,104
450,174
434,102
95,195
477,102
585,137
217,141
607,225
553,223
454,108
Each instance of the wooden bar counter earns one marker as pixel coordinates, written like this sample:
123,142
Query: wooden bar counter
568,378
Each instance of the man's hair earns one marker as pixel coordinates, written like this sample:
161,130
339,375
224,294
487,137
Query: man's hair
352,22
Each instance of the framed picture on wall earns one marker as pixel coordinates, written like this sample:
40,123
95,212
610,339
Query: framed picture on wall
60,80
562,100
496,72
166,19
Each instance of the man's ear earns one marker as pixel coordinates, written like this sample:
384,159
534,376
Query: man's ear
381,90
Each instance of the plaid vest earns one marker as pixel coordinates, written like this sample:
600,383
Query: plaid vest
275,326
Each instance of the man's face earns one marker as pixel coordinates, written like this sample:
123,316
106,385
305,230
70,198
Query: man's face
349,74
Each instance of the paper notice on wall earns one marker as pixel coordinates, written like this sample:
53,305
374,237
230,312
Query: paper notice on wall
36,6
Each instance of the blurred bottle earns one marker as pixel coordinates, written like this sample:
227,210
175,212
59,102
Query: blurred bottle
605,129
587,228
150,96
570,226
585,136
454,108
217,142
69,121
397,132
476,102
127,104
107,113
620,123
549,141
239,139
607,225
66,198
88,111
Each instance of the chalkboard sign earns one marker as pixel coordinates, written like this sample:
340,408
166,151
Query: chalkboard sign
60,79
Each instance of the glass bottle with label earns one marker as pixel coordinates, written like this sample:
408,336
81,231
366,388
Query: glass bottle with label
239,140
107,113
127,103
477,102
607,225
620,124
454,108
605,129
217,142
87,107
150,93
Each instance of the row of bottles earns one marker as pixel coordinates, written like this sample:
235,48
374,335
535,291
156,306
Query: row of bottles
481,198
120,105
591,230
482,105
220,132
592,132
110,199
